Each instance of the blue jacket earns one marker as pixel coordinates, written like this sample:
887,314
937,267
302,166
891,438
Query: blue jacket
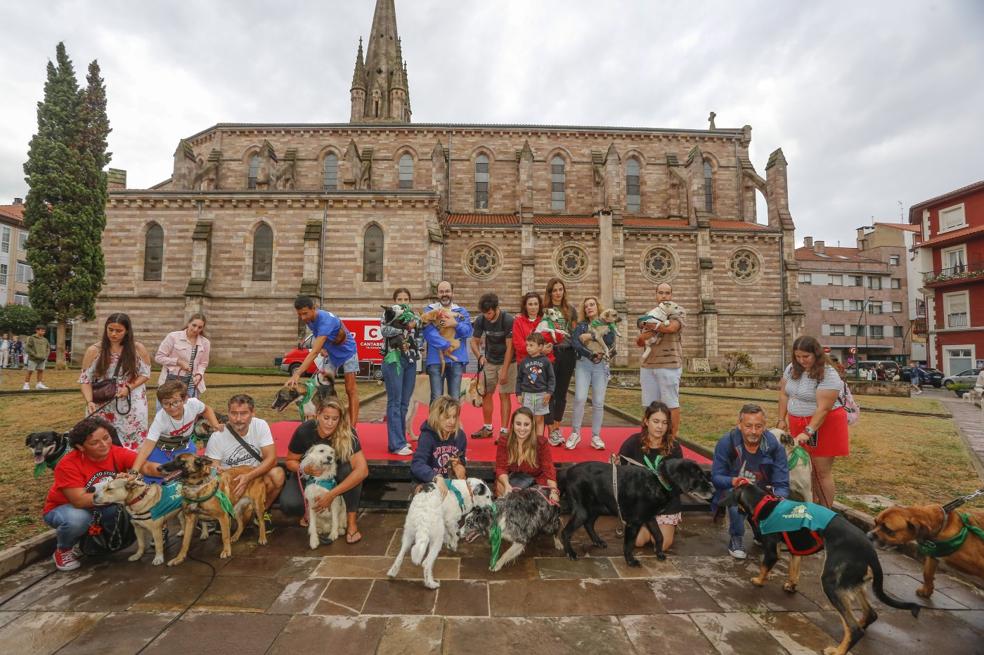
433,454
436,343
729,457
582,350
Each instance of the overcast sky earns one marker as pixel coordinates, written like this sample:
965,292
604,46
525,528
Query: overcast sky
872,102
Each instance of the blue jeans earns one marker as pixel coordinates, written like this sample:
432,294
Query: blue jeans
399,391
452,374
71,523
587,373
158,456
736,522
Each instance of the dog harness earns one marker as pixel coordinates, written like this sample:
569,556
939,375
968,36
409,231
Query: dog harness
311,387
798,455
949,546
799,523
169,501
327,485
224,501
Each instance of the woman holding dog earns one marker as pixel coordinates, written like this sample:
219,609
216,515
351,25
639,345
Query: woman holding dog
523,458
330,426
400,357
120,359
590,372
653,443
563,362
185,353
811,410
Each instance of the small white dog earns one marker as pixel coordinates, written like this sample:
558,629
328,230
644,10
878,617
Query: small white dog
658,316
320,463
433,520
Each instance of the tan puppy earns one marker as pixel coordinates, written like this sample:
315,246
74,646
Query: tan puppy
434,317
598,329
209,494
900,525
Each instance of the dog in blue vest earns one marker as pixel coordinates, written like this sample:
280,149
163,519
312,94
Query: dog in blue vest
807,528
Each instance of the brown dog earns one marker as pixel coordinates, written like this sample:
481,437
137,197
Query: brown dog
930,523
212,495
434,317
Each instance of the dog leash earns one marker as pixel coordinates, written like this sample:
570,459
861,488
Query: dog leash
614,462
953,504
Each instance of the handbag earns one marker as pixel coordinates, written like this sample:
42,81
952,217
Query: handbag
853,409
105,390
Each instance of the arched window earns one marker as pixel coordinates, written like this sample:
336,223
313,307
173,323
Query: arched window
372,254
406,172
558,180
708,186
154,253
263,253
331,172
481,182
254,172
633,194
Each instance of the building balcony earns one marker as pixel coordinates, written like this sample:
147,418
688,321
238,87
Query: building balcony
954,275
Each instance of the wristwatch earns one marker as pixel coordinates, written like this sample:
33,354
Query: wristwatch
810,431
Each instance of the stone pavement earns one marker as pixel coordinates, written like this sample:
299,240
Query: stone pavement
285,598
970,421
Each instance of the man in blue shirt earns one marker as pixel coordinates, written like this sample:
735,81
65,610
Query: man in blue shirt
748,452
329,334
436,344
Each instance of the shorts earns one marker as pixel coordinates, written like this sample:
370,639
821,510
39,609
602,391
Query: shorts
535,403
669,519
351,365
491,372
832,438
662,384
36,364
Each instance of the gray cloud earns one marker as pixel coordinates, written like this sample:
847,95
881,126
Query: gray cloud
872,103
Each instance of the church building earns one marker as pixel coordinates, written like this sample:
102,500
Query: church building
255,214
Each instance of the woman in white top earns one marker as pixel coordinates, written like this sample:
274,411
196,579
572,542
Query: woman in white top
183,352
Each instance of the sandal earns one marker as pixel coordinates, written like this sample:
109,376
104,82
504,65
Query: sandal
353,537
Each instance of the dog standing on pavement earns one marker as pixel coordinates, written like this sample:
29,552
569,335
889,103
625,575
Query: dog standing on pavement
149,506
327,524
521,515
432,521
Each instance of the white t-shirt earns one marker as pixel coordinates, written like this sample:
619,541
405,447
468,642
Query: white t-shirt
169,427
222,446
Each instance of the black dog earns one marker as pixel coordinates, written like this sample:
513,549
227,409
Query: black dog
521,515
47,447
641,496
849,556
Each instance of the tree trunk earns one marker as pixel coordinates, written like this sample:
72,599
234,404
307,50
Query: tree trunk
60,363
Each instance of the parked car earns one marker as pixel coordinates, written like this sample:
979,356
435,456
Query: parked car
930,376
293,358
963,378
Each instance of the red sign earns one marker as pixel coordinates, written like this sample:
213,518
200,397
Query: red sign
368,338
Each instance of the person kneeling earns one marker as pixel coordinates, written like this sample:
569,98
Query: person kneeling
523,459
442,445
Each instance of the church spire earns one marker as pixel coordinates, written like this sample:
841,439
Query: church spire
379,80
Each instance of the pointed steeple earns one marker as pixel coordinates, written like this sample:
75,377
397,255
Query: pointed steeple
385,93
359,75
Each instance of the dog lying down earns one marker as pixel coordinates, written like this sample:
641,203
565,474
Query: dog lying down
327,525
521,515
432,521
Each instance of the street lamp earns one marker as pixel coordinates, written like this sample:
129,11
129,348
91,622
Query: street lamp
862,320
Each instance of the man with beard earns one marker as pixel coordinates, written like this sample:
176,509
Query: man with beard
437,344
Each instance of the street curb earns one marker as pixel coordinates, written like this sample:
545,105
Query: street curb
27,552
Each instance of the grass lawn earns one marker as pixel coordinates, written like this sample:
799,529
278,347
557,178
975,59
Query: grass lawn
908,459
771,398
22,496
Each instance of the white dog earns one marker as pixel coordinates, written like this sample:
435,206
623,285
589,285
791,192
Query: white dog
658,316
433,519
149,506
319,461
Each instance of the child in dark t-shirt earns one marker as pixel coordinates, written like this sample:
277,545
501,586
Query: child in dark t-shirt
535,380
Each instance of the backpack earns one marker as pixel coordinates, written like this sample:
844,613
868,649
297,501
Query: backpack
853,409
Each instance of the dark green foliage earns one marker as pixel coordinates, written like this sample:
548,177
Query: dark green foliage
18,319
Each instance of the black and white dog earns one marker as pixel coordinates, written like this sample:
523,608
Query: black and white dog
521,515
47,447
642,495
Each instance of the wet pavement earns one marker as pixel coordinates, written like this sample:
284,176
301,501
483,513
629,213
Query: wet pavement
284,597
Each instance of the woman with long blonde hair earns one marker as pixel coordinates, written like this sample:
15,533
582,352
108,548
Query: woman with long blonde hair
590,372
524,458
442,444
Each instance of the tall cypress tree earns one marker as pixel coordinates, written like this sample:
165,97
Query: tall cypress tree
65,208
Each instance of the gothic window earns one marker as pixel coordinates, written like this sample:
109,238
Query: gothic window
558,180
658,265
331,172
254,172
571,262
744,265
263,253
481,182
708,187
372,254
406,172
154,253
633,196
482,261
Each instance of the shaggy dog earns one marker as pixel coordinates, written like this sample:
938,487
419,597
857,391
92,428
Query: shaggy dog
447,332
598,329
318,388
433,519
327,524
47,448
658,316
521,515
800,467
149,506
641,496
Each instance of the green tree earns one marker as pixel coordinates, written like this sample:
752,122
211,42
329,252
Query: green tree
18,319
735,361
65,208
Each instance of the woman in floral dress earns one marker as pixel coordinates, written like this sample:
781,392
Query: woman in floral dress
118,356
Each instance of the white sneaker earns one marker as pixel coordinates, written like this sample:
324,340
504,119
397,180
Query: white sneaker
555,438
26,387
40,385
736,549
403,452
572,441
597,443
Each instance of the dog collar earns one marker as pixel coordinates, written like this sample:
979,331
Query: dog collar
761,505
654,467
457,494
324,484
953,544
140,496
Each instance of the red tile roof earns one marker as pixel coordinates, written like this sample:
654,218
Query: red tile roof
13,212
483,219
953,237
833,254
558,219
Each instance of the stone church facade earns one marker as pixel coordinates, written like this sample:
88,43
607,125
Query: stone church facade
255,214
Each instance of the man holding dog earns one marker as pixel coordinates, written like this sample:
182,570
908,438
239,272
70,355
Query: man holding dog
660,372
436,344
748,453
329,333
496,364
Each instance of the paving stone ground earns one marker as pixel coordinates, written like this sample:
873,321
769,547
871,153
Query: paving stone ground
286,598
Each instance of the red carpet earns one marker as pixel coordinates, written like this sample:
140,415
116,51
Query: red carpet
373,438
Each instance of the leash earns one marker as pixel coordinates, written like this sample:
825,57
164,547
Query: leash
953,504
618,507
457,494
652,466
954,543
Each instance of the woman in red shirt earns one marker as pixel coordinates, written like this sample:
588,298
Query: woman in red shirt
69,507
524,324
524,453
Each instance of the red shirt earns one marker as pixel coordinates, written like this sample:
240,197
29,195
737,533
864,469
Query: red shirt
543,471
522,328
76,471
